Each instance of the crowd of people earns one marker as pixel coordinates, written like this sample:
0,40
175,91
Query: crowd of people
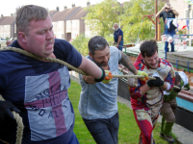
38,90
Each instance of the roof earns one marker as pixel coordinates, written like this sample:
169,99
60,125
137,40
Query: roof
68,14
60,15
81,13
7,20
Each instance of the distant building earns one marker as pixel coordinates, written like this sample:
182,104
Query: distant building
67,24
7,26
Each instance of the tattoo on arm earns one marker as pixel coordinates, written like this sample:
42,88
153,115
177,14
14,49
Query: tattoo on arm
127,63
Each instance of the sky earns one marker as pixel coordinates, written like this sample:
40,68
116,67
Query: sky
9,6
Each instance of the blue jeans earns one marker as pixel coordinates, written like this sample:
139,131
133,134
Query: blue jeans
104,131
167,49
171,33
120,46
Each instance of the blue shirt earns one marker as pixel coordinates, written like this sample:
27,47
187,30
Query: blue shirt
40,90
118,33
167,19
100,100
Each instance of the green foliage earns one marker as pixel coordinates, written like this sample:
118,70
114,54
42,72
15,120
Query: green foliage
100,17
132,17
135,24
81,44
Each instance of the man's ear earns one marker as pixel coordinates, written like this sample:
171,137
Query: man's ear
91,55
22,37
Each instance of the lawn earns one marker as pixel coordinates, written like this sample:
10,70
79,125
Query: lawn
128,130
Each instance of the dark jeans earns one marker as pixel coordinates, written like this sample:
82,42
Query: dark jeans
167,49
120,47
104,131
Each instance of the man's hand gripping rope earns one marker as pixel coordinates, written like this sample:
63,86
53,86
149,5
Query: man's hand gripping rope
140,74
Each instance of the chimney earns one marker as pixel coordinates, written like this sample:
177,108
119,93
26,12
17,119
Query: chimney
73,5
88,3
57,8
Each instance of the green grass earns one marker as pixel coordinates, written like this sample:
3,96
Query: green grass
128,130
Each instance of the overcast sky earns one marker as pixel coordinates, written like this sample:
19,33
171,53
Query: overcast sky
9,6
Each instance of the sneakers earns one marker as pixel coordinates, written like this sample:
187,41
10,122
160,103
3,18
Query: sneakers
168,138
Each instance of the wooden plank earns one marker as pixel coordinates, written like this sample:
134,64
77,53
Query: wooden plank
181,58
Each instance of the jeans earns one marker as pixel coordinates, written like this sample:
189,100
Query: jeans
120,46
170,33
104,131
166,48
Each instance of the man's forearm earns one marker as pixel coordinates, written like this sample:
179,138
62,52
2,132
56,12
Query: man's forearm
91,68
175,12
127,63
143,89
158,13
119,40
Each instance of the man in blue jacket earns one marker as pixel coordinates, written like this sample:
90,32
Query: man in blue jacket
118,37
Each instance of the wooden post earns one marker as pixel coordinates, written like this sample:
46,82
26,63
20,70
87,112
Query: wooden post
159,31
156,23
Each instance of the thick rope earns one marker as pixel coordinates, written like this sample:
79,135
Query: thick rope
42,59
20,126
60,62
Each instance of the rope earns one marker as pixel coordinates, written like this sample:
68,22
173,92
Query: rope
61,62
18,50
18,119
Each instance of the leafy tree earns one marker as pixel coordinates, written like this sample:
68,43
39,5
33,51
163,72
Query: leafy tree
131,16
136,25
81,44
100,17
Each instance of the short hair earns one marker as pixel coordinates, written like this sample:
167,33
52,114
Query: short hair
97,43
148,48
116,24
27,13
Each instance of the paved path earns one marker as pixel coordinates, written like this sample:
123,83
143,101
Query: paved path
184,135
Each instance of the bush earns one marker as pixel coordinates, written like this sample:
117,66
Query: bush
81,44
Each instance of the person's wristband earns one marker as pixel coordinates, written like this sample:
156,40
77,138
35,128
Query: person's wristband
102,77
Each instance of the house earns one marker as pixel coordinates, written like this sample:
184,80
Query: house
67,24
7,26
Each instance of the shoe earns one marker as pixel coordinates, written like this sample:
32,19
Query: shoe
168,138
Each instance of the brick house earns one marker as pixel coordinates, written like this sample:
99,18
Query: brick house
67,24
7,26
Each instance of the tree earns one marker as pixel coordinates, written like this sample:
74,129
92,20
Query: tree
81,44
135,25
100,17
131,17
